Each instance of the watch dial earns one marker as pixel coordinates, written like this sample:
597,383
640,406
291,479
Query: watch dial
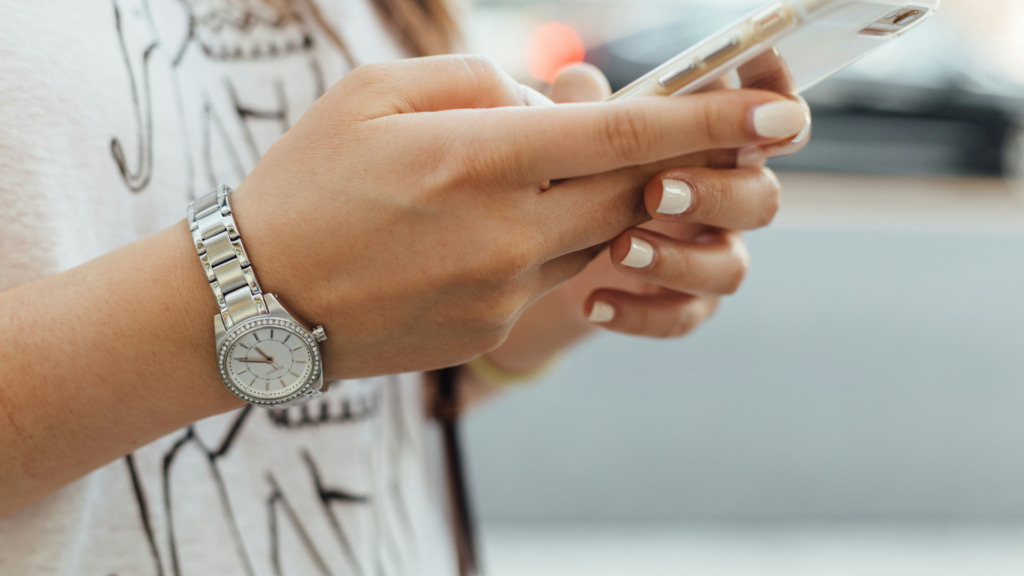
270,360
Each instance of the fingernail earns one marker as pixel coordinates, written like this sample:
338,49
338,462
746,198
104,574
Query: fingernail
676,197
641,254
602,313
534,98
803,134
807,129
751,157
779,119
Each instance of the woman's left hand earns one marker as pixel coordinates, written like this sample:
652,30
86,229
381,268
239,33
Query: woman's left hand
665,278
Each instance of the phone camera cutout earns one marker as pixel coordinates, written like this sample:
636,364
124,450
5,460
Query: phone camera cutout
908,17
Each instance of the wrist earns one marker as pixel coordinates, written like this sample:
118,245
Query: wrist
265,355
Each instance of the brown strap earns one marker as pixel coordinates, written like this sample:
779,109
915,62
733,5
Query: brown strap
464,526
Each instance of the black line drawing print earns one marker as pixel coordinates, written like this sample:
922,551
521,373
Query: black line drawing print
224,31
327,498
330,497
402,435
208,61
137,179
351,410
245,113
390,542
212,125
212,456
277,501
140,498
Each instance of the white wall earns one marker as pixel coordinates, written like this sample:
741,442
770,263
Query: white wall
858,375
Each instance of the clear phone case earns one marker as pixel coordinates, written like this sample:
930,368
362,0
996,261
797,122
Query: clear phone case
795,42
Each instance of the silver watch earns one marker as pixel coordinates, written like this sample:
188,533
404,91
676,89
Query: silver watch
264,355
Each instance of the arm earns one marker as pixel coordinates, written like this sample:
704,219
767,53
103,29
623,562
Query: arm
452,242
103,359
559,320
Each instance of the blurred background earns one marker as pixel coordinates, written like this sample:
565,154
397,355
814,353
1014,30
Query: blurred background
859,406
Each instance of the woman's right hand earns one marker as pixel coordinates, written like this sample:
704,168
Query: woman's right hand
405,210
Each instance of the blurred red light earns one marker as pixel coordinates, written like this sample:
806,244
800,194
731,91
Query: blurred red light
552,47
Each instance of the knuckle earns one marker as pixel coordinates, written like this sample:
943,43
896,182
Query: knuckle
369,75
482,66
491,81
773,200
625,131
643,322
490,343
707,121
489,318
737,276
684,323
499,314
772,204
507,262
710,199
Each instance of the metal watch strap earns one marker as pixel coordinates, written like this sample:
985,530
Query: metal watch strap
227,267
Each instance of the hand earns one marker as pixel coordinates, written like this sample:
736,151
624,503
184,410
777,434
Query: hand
404,211
666,277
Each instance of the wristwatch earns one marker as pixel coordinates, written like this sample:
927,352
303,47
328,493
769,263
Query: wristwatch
265,356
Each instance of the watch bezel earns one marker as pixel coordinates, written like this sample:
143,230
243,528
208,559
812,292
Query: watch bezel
243,328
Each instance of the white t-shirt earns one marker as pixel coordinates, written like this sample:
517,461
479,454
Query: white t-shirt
113,115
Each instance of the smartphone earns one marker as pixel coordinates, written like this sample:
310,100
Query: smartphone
813,39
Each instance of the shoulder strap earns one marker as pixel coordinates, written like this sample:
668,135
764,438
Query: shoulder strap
464,525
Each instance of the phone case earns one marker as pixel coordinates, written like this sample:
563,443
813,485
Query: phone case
815,39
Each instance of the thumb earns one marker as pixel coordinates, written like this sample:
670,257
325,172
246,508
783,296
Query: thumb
580,83
429,84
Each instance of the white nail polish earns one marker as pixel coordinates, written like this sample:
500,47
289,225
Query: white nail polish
779,119
641,254
802,135
602,313
676,197
807,129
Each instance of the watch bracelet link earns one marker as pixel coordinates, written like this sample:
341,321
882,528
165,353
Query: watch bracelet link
223,256
227,266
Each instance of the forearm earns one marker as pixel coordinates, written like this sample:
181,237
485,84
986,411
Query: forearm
102,359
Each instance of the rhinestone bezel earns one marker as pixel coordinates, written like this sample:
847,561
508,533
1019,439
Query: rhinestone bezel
240,330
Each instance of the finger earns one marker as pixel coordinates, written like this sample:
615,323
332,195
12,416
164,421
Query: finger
428,85
562,269
580,83
615,201
714,263
740,199
666,315
768,71
575,140
799,142
725,82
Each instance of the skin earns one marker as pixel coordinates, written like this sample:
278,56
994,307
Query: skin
700,256
455,241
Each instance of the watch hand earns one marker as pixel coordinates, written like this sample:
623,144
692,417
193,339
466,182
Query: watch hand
268,358
252,361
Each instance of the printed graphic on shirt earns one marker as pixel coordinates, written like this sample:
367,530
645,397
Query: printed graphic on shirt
333,487
307,508
258,64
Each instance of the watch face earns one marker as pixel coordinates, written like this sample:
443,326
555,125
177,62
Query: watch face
269,360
